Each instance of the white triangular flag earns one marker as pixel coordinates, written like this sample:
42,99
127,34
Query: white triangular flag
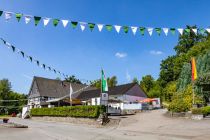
8,15
82,25
27,19
150,30
180,30
165,30
100,27
65,22
134,29
195,31
208,30
117,28
46,21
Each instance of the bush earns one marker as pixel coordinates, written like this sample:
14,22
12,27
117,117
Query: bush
70,111
178,105
204,110
198,111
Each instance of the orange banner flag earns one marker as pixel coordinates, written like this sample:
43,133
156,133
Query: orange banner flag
194,70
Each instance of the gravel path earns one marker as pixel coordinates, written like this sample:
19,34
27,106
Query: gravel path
146,126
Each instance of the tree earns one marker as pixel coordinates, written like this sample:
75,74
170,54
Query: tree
112,81
155,91
187,40
147,82
135,80
73,79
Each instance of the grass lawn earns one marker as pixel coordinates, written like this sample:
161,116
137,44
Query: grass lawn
5,116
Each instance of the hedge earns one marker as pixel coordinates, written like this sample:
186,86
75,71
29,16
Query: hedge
203,110
70,111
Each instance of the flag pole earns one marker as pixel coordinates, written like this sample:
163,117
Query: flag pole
70,93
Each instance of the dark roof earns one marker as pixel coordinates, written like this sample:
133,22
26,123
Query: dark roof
117,90
56,88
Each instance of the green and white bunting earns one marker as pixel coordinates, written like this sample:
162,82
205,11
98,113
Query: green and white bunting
83,25
30,58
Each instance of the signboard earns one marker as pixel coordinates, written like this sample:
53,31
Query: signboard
104,99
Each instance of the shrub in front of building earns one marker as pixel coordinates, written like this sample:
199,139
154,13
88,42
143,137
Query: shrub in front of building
70,111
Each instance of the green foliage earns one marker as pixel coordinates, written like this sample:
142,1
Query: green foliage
7,94
155,91
204,110
111,82
188,45
182,101
169,91
73,79
70,111
147,82
135,80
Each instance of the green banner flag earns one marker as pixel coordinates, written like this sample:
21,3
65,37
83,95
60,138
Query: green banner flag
18,16
187,30
22,53
109,27
202,30
142,29
91,26
36,20
13,48
1,12
104,85
74,24
125,28
55,22
173,30
158,30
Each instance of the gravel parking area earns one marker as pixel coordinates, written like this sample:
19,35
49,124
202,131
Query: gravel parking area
152,125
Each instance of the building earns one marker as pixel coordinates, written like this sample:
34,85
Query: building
49,92
43,90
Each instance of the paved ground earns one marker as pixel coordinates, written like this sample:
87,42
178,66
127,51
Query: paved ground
146,126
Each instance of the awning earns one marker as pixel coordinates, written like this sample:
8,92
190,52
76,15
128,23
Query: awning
147,100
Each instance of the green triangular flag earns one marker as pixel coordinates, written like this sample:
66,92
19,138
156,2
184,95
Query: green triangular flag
13,48
74,24
1,12
54,70
91,26
30,58
55,22
142,29
125,28
36,20
109,27
187,30
158,30
172,30
37,62
18,16
22,53
202,30
43,65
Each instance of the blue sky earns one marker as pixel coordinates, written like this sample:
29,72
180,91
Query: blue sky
85,53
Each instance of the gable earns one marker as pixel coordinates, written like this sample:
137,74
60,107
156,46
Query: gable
34,91
136,91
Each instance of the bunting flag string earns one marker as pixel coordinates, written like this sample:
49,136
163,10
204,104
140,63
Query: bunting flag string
74,24
31,59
